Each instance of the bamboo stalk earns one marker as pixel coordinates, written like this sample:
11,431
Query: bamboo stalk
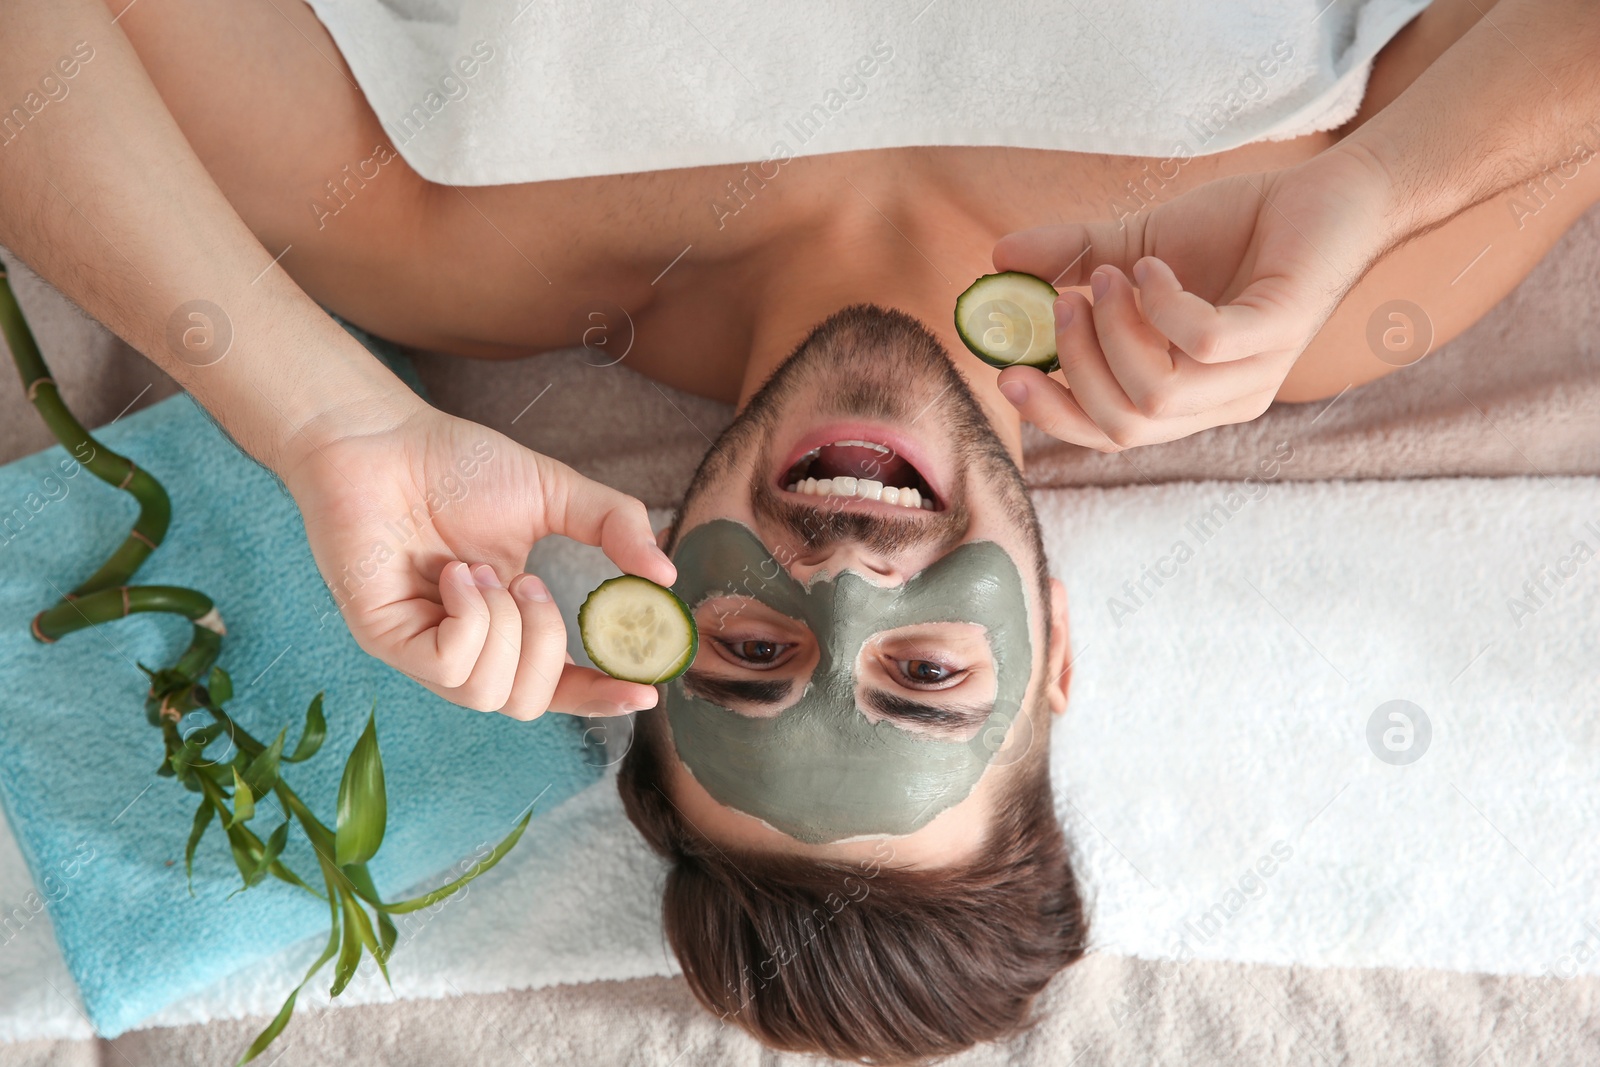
188,685
76,612
155,508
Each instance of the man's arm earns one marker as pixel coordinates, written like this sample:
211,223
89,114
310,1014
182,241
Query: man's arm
1513,97
101,194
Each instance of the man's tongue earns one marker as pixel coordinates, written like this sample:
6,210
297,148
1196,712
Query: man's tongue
860,461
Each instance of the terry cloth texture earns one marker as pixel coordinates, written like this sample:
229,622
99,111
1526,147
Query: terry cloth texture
102,836
479,92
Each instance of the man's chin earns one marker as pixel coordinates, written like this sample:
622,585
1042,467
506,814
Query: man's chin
877,392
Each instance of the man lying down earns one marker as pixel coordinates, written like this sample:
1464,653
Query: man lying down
851,783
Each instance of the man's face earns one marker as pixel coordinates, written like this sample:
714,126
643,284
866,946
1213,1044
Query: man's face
862,561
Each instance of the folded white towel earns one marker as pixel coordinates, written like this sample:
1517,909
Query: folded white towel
484,92
1235,707
1218,766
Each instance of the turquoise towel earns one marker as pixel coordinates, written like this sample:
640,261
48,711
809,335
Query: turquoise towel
102,835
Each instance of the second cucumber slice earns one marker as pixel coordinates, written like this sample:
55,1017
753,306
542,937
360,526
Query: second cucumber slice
1007,320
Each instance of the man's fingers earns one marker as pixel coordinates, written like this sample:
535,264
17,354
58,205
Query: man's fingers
1094,387
1135,352
585,510
586,691
443,656
544,649
1047,404
1252,324
1066,255
489,685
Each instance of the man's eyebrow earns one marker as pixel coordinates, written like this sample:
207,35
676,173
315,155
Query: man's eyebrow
729,691
955,716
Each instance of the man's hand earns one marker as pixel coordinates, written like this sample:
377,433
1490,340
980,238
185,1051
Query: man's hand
1234,279
422,529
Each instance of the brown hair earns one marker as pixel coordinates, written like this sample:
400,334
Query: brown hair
866,962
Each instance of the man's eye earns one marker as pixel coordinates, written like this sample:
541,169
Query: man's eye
925,672
757,653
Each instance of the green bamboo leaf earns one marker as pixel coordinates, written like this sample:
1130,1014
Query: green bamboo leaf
363,805
284,874
244,801
274,1028
263,770
361,879
165,770
311,736
349,951
167,680
427,900
354,912
387,936
247,849
202,819
275,843
220,686
329,877
193,748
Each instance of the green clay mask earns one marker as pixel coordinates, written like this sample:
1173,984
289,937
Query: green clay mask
819,770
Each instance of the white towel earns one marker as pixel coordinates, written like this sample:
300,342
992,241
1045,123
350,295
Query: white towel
485,92
1231,708
1213,767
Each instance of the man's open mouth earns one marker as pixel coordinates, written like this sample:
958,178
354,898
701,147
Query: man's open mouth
858,469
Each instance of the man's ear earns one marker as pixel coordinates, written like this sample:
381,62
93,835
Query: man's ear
1060,649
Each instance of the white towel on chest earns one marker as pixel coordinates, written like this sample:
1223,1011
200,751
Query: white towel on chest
485,92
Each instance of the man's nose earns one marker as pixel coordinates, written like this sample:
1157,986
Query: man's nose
847,555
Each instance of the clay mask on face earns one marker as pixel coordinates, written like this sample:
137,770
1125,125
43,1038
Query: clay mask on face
819,770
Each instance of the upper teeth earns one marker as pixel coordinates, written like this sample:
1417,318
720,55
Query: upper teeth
844,485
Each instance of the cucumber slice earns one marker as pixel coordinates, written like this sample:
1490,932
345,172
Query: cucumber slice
1007,321
637,630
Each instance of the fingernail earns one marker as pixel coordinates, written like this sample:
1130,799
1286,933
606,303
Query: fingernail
1099,282
485,576
1141,272
1015,392
1064,312
532,588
